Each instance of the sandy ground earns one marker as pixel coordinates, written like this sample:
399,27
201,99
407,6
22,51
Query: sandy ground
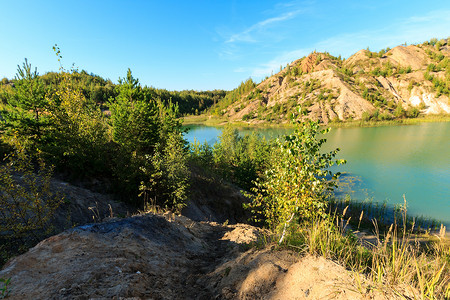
171,257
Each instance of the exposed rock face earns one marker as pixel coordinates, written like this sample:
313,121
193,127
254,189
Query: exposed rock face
308,64
331,89
357,60
412,56
83,206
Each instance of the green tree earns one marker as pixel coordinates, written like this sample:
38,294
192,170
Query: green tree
78,135
26,106
298,182
152,152
240,159
166,175
134,119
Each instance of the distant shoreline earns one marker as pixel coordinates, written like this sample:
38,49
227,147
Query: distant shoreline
218,121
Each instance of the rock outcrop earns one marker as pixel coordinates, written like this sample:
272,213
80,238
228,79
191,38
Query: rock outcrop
331,89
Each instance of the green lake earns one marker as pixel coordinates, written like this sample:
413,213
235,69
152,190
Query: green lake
384,163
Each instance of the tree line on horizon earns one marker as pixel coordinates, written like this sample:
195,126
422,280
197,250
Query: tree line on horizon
100,90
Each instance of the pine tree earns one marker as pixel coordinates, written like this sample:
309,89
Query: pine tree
134,120
26,106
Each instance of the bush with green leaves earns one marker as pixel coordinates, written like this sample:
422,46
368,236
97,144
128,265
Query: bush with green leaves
78,135
399,111
239,159
366,116
201,154
405,70
385,116
441,86
412,112
298,181
247,117
165,175
27,201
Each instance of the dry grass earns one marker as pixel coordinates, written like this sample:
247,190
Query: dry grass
421,119
398,263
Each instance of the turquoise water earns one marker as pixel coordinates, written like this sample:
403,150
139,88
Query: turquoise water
387,162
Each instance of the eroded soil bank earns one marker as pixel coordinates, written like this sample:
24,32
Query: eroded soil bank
171,257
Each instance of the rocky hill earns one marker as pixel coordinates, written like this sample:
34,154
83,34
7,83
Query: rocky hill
393,83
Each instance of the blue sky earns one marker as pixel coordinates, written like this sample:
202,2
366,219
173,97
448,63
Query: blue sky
209,44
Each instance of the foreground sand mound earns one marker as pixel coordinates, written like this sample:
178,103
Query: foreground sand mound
144,256
171,257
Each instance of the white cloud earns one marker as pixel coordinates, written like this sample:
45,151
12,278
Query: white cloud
281,60
240,70
432,17
415,29
412,30
248,35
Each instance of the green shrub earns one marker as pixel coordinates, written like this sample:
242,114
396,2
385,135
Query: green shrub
276,107
385,116
366,116
376,71
399,111
412,112
166,175
406,70
297,183
433,41
247,117
431,68
346,71
27,201
201,154
240,159
4,291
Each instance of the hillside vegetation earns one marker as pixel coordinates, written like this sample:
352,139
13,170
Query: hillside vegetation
100,90
402,82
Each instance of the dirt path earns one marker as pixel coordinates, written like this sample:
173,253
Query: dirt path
195,285
144,256
167,257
